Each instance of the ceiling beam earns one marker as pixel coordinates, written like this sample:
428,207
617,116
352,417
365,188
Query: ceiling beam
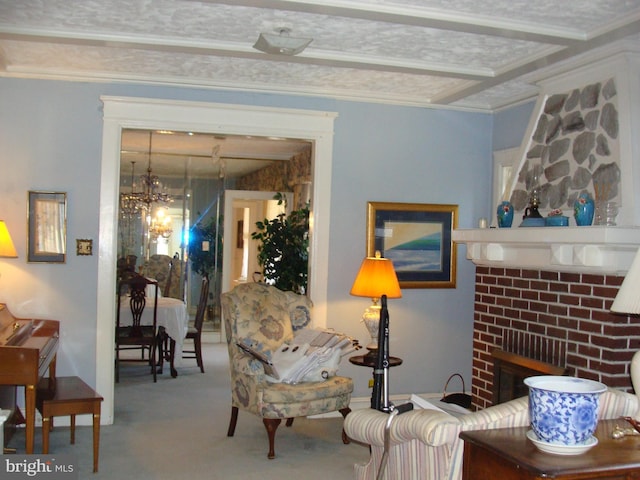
530,66
240,50
423,17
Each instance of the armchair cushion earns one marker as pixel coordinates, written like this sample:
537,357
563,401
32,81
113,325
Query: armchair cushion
284,393
280,400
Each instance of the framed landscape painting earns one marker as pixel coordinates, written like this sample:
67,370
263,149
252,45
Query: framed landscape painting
417,238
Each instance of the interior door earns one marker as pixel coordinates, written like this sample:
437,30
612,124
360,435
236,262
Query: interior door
242,209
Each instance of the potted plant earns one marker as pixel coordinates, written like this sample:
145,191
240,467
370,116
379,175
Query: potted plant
205,247
283,251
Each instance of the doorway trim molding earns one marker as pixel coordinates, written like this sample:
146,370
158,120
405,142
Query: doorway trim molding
160,114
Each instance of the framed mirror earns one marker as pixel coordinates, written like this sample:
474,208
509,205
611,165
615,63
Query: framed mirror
47,220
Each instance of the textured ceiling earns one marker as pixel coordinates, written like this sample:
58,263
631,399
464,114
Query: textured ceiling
463,53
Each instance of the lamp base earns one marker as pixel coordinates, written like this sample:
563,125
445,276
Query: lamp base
371,355
371,320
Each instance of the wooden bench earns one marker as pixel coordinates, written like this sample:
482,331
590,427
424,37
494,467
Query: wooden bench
69,396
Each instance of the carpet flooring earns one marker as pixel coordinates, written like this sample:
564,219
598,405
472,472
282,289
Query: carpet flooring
177,428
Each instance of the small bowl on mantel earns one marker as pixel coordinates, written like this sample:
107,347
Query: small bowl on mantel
563,409
556,221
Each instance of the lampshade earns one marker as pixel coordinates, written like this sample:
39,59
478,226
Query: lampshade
6,244
628,298
376,277
628,301
281,44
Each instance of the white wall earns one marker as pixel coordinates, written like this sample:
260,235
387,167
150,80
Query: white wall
50,139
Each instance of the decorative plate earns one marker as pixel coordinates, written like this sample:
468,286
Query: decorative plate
561,449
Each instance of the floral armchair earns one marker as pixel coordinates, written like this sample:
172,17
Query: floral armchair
424,444
265,317
166,271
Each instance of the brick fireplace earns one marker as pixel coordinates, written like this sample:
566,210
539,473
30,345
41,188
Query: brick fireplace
561,318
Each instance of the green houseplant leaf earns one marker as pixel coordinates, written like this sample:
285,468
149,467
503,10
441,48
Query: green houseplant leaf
283,251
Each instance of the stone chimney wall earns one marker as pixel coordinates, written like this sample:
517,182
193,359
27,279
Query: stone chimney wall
574,148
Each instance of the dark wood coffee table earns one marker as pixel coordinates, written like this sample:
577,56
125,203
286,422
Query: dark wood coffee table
507,454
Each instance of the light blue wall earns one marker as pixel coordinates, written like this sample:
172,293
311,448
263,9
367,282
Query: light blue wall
510,126
50,139
398,154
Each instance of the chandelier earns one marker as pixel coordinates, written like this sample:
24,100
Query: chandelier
140,198
160,225
130,206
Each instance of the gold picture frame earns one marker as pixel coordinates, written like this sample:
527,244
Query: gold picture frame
418,239
47,227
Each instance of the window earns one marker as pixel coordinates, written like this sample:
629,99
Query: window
504,168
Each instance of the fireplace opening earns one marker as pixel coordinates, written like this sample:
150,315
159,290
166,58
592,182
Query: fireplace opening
510,370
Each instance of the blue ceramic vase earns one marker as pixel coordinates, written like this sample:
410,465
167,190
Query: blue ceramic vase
505,214
583,209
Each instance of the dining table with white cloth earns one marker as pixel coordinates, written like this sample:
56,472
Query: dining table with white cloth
172,316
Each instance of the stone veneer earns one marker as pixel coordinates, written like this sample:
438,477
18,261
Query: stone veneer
569,310
574,148
293,175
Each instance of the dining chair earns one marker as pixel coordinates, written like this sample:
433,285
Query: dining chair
167,287
132,334
195,332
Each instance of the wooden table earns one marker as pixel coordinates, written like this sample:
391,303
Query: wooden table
171,316
507,454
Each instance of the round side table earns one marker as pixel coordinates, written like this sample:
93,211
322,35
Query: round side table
364,361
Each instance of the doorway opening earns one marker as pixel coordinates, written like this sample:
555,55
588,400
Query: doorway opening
121,113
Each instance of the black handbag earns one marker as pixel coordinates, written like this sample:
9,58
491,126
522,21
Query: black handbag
462,399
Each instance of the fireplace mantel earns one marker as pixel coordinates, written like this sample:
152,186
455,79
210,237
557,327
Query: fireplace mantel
604,250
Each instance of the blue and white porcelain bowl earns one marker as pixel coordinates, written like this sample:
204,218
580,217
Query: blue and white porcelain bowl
564,410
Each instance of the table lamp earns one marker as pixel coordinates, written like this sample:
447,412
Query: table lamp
375,278
628,301
7,250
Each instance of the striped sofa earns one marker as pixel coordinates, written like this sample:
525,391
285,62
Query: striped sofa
424,444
